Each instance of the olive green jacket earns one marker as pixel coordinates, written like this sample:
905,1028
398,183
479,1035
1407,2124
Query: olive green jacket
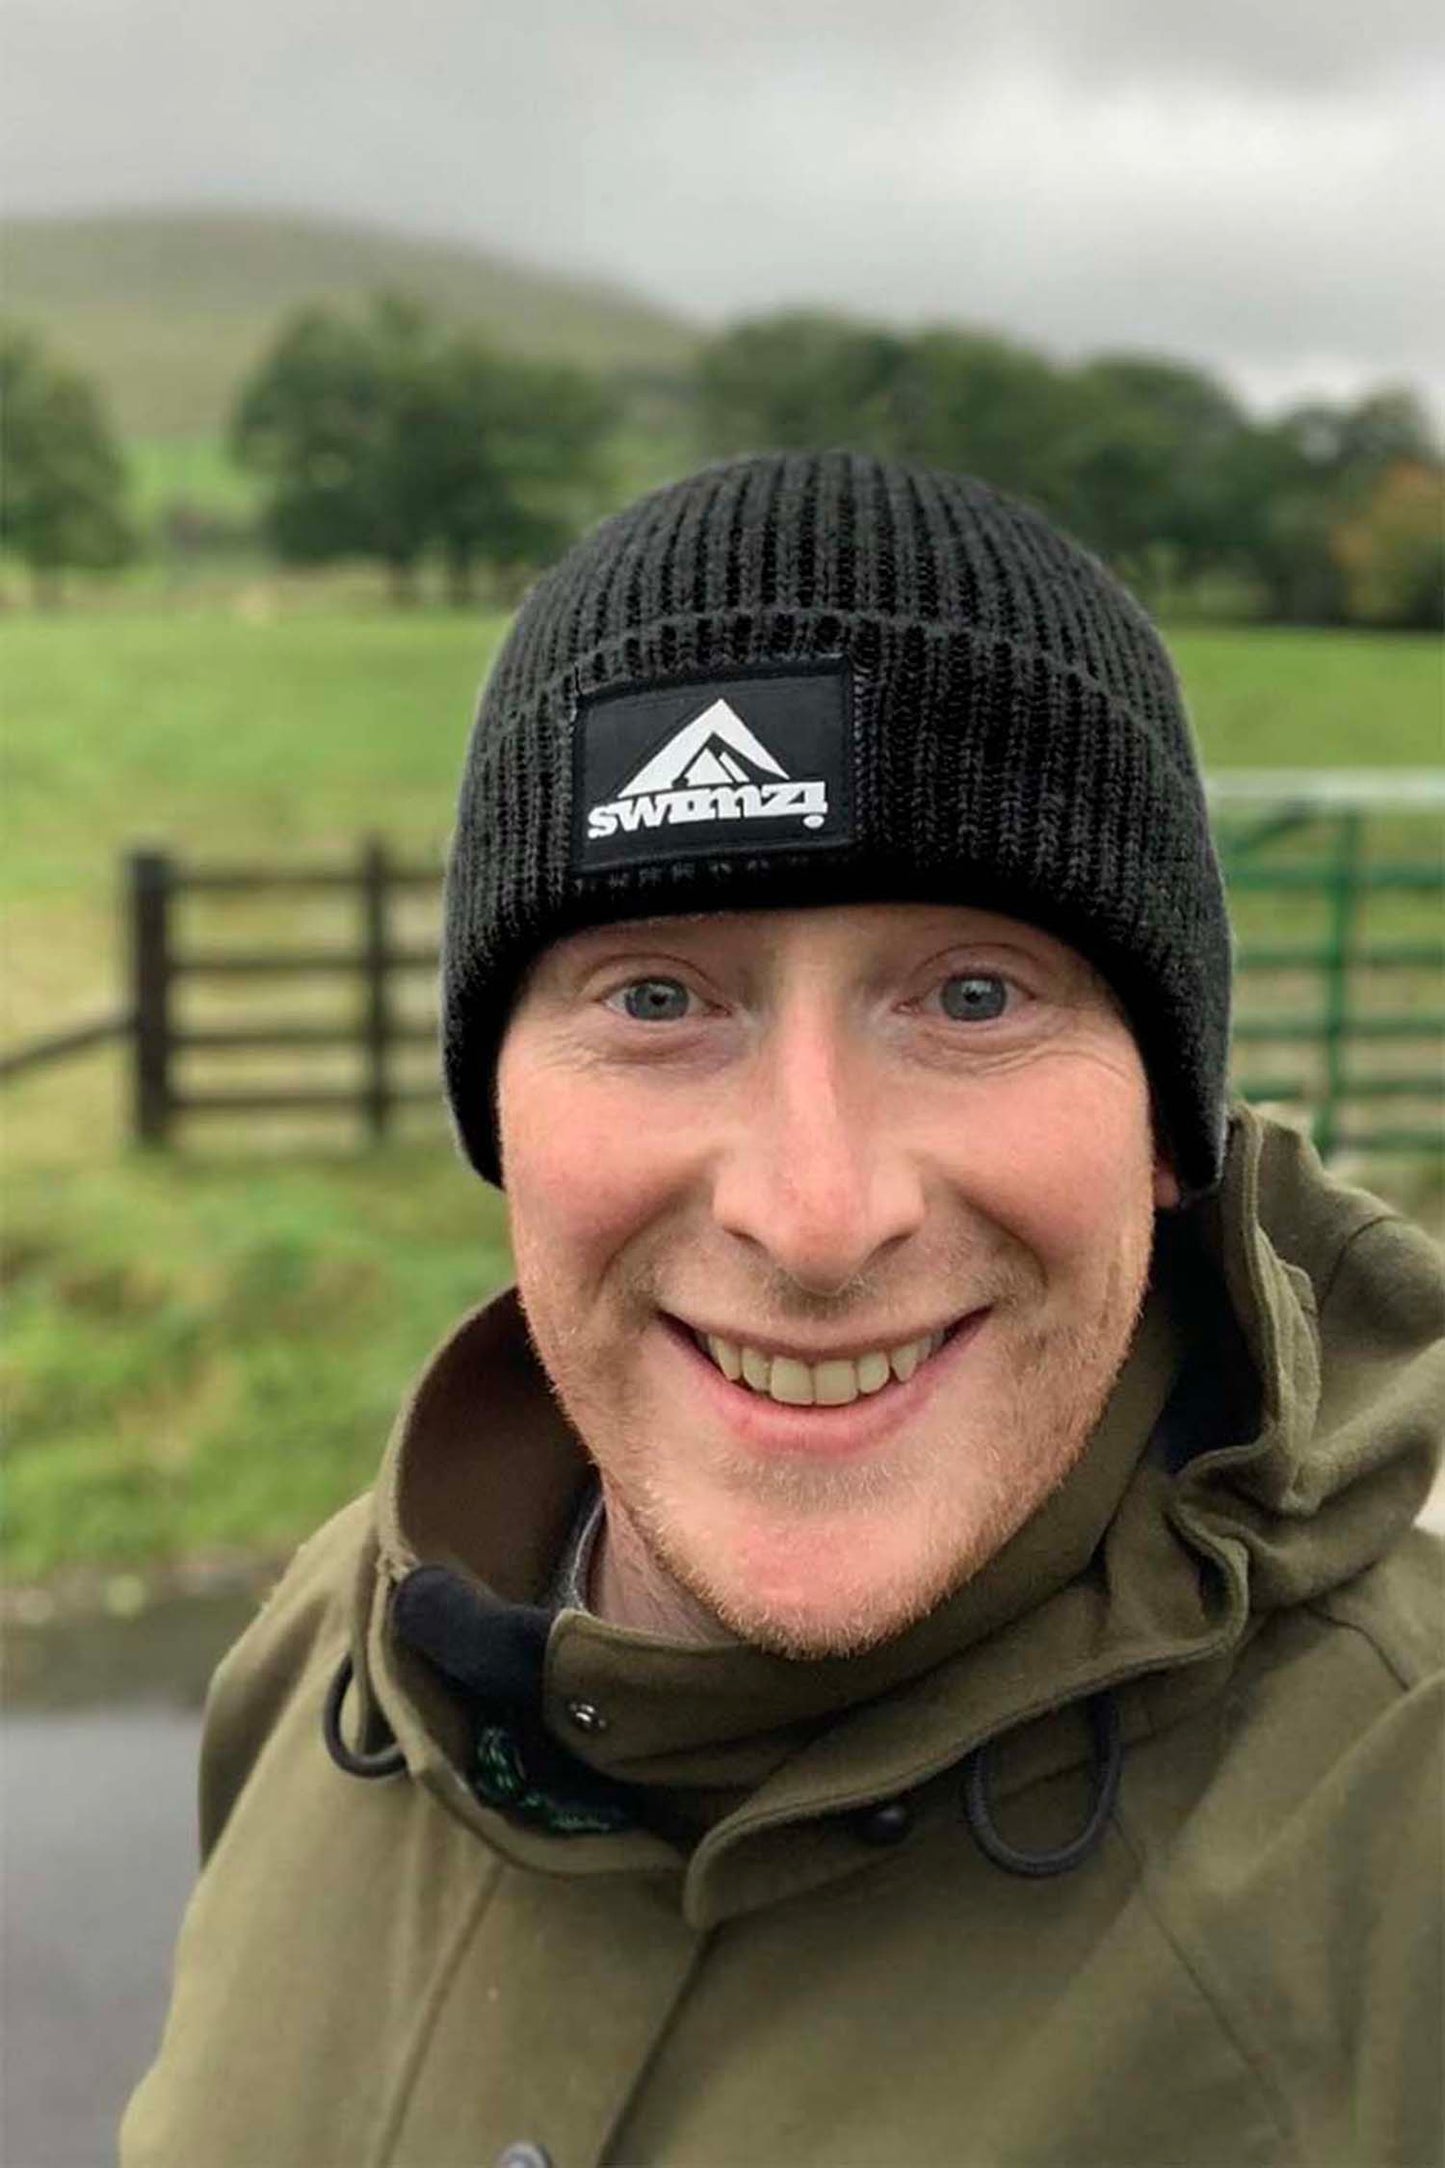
710,1907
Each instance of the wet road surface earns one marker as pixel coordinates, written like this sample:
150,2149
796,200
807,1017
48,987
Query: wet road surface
97,1850
97,1855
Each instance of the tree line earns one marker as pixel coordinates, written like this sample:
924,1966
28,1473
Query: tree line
389,436
1328,514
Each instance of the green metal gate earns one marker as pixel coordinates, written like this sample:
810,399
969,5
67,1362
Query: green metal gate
1337,892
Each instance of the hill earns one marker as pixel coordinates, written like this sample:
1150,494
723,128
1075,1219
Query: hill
170,310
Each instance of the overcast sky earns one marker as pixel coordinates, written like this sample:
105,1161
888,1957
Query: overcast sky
1256,184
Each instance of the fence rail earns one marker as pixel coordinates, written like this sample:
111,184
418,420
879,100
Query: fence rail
60,1045
1288,842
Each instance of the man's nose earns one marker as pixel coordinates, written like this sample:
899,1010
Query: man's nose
817,1172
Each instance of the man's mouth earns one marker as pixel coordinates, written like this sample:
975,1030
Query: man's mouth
831,1383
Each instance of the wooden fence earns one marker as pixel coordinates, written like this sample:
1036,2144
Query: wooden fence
162,966
1286,840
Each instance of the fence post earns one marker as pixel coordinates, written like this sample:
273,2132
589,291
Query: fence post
376,1094
1343,897
150,881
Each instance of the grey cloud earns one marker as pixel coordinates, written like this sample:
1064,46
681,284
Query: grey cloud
1300,46
1255,184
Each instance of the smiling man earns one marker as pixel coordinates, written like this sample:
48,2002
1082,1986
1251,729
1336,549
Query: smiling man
902,1637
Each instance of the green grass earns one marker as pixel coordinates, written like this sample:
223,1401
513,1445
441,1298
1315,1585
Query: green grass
239,730
201,1360
197,472
1268,698
206,1351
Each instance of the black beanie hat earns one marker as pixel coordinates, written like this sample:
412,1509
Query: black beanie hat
813,678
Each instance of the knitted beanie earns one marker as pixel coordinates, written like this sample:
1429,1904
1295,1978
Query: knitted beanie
809,678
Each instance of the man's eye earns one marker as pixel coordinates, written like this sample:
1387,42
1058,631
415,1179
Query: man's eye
652,1001
974,997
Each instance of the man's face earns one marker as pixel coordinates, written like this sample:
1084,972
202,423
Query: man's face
896,1162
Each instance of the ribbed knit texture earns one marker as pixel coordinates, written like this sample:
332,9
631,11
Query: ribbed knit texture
1022,746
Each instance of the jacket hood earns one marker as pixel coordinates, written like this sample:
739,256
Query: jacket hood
1273,1433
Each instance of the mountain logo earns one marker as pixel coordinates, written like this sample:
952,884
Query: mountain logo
715,768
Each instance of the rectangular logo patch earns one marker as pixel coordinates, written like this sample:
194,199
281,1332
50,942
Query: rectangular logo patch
755,762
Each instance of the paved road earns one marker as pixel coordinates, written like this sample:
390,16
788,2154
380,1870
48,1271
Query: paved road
97,1844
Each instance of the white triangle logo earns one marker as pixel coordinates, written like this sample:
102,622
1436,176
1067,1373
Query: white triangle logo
702,752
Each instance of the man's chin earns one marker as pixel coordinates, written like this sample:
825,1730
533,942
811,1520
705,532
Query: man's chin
806,1618
808,1633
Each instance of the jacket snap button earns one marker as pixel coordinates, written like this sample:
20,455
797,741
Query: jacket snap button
523,2154
888,1824
587,1717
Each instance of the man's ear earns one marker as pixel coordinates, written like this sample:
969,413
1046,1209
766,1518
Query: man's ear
1166,1183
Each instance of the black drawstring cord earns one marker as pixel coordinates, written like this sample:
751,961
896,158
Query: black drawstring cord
386,1762
1108,1762
1107,1735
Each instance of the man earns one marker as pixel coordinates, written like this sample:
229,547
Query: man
903,1640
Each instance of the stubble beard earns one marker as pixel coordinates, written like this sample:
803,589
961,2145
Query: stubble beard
1058,1384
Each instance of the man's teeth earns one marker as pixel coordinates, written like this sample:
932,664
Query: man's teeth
829,1384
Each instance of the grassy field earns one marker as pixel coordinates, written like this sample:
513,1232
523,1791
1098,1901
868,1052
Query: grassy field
215,734
205,1352
197,472
1268,698
203,1358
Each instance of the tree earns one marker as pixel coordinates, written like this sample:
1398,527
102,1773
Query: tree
394,438
326,421
1150,474
1314,473
985,406
800,380
512,459
64,477
1392,551
1351,447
